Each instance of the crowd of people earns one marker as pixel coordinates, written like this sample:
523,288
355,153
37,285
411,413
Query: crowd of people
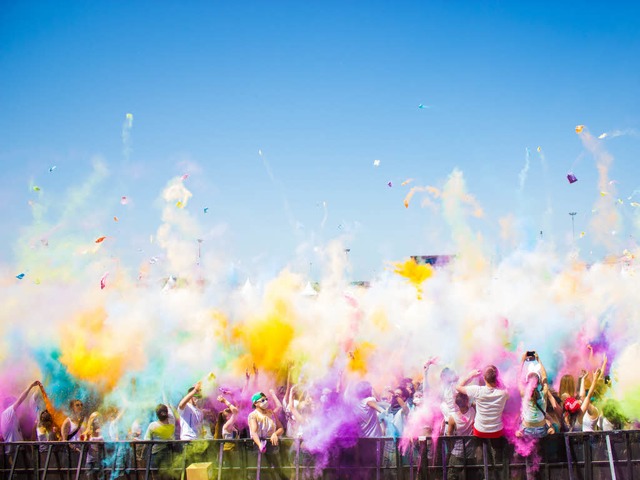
471,406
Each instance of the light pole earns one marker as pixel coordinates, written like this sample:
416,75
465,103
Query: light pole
573,226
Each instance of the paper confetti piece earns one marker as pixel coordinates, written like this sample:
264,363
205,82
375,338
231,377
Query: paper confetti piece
115,219
603,194
124,200
539,149
103,281
579,128
389,184
51,169
179,204
20,276
407,182
184,177
376,163
620,202
36,188
582,234
572,178
635,204
421,106
100,239
206,209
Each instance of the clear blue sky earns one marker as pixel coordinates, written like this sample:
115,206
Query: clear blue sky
322,88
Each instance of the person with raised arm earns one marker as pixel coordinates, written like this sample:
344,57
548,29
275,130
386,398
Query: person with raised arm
191,415
490,400
534,390
9,421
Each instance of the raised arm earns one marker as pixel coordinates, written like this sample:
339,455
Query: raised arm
596,376
461,386
185,400
276,400
25,393
425,383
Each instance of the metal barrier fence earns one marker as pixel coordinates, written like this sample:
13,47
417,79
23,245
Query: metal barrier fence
573,456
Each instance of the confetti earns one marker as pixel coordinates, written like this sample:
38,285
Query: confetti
179,204
389,184
582,234
376,163
407,182
579,128
603,194
103,281
100,239
620,202
635,204
124,200
115,219
36,188
51,169
603,136
539,149
206,209
421,106
572,178
184,177
153,260
20,276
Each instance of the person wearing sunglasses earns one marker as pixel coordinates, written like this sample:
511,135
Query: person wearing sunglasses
74,425
266,429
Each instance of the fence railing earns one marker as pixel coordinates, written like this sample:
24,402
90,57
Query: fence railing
573,456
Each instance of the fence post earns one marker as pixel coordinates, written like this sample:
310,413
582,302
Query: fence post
484,458
80,459
588,466
298,442
569,459
220,455
610,452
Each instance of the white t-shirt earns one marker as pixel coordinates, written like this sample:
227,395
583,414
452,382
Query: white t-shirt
191,419
489,406
10,426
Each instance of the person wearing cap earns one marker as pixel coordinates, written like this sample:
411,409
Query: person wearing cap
191,415
265,429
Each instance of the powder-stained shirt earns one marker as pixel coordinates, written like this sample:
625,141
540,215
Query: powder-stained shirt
265,423
10,426
191,420
489,407
367,419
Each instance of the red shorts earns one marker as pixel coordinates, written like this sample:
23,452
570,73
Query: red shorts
478,434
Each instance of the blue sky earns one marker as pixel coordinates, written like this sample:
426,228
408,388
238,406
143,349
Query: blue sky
322,89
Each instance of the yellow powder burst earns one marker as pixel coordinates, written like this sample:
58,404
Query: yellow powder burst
415,273
359,356
94,352
267,339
